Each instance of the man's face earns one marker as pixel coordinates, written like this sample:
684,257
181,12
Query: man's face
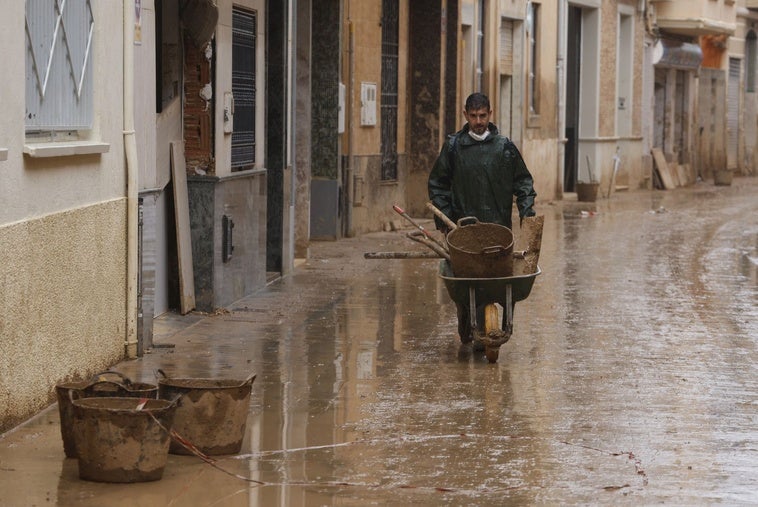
478,119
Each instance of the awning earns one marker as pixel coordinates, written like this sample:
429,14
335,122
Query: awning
199,18
677,54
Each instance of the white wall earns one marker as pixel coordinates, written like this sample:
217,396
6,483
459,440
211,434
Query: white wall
36,187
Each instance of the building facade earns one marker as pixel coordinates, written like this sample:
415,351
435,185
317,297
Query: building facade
64,225
147,168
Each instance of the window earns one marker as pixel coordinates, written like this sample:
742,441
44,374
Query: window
390,44
532,26
168,56
58,65
244,37
751,47
624,73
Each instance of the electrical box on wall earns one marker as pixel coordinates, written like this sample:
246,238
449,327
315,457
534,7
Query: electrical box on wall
341,110
368,104
227,243
228,113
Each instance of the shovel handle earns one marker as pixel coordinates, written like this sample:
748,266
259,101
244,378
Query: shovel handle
418,226
439,214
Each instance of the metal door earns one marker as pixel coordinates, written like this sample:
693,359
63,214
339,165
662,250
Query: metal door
573,73
244,30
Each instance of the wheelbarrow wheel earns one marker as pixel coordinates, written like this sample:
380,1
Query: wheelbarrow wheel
491,323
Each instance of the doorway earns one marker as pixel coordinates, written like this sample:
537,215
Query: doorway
573,82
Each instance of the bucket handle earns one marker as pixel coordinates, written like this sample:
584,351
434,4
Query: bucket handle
249,380
97,377
462,222
93,385
494,249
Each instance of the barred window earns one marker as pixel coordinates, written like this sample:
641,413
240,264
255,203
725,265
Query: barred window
751,53
533,28
59,65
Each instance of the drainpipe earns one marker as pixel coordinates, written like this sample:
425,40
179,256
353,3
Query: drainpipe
561,91
130,149
349,105
292,130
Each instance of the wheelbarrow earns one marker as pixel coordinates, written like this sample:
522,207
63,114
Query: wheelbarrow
485,292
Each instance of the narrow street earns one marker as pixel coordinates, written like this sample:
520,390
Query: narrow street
631,377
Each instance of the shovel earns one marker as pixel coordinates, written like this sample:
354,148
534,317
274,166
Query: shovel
439,214
400,211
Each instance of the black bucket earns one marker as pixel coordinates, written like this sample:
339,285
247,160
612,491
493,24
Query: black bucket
480,249
100,386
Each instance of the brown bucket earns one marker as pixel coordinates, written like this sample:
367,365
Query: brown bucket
211,414
98,387
480,249
587,192
119,441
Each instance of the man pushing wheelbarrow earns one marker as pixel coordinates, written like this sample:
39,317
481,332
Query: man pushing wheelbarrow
472,184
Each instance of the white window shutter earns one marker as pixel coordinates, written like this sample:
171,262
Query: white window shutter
59,64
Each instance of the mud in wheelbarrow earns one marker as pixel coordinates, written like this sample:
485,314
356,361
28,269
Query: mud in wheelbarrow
484,292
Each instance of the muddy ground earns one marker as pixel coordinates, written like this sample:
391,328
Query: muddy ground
630,379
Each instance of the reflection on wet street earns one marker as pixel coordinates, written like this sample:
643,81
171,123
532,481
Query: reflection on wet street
631,376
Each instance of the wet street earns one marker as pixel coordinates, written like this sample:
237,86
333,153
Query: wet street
631,377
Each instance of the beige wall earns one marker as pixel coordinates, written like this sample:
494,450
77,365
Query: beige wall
372,198
62,233
63,302
748,162
712,15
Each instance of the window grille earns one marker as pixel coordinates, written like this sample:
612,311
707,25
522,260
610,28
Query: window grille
751,53
389,88
506,46
59,65
244,24
533,22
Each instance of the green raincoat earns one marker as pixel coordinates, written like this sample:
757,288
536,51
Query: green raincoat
480,178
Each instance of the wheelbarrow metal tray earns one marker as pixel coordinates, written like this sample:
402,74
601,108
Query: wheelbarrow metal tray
488,289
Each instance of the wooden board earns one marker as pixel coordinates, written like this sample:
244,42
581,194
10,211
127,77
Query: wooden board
183,233
529,239
683,171
663,169
674,171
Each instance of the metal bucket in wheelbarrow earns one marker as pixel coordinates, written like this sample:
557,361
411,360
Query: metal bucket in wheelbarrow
480,249
105,384
211,414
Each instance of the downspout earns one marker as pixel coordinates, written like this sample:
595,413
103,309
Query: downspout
292,130
561,91
349,105
130,150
